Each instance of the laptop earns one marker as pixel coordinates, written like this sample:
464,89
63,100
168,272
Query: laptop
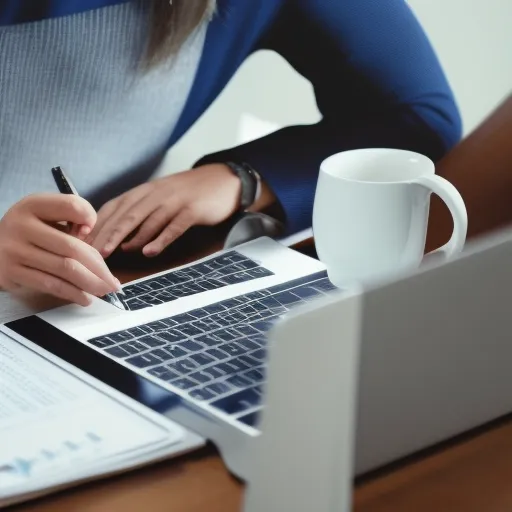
190,345
193,348
362,379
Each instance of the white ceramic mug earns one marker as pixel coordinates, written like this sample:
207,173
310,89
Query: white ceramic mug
371,213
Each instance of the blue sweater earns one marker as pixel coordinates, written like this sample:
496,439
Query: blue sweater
375,75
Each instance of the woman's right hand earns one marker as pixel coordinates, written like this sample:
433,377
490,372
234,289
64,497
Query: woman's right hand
35,254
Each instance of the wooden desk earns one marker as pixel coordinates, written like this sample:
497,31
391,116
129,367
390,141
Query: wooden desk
471,475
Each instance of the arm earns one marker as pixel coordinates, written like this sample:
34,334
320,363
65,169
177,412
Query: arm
377,83
481,169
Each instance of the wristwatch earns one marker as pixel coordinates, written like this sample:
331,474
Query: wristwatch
251,183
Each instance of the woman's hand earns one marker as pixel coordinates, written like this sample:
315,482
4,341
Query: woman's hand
160,211
35,254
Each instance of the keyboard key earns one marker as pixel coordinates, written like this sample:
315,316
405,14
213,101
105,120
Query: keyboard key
247,310
191,346
249,361
154,284
183,318
207,324
306,292
256,295
234,349
255,375
144,361
169,322
118,352
173,352
171,279
248,344
188,273
239,401
199,313
221,319
238,365
262,326
247,330
287,298
215,373
151,299
184,366
231,303
165,296
259,272
171,336
133,347
225,369
101,342
210,340
235,317
227,335
189,330
251,419
240,277
211,284
202,326
139,331
214,308
201,377
157,326
151,341
270,302
120,336
260,339
259,354
202,359
164,373
136,304
183,384
247,265
238,381
218,354
135,289
218,388
324,285
201,394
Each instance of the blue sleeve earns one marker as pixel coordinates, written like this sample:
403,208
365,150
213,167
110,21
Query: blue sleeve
377,81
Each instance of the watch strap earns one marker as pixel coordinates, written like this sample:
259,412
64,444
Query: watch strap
250,183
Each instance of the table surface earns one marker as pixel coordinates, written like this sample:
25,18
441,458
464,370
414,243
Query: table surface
470,475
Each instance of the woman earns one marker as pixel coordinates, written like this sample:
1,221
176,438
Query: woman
104,87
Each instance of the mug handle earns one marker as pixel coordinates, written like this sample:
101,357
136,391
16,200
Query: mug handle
453,200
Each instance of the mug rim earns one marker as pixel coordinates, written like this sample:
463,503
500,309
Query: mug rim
337,157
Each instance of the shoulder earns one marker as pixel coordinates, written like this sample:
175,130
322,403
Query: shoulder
13,12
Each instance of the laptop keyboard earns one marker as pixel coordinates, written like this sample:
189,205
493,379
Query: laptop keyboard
217,354
223,270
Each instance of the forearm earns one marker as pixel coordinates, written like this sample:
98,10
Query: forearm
481,169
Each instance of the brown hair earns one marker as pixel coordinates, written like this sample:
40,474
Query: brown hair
171,23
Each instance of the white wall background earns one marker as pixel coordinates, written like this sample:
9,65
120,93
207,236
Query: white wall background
473,39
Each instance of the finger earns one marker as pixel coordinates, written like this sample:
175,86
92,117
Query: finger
67,269
112,236
150,228
61,207
183,221
49,284
124,208
52,240
104,214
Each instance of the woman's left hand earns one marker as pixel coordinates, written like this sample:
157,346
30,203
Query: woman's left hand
160,211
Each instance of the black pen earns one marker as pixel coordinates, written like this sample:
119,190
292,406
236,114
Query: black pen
66,187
